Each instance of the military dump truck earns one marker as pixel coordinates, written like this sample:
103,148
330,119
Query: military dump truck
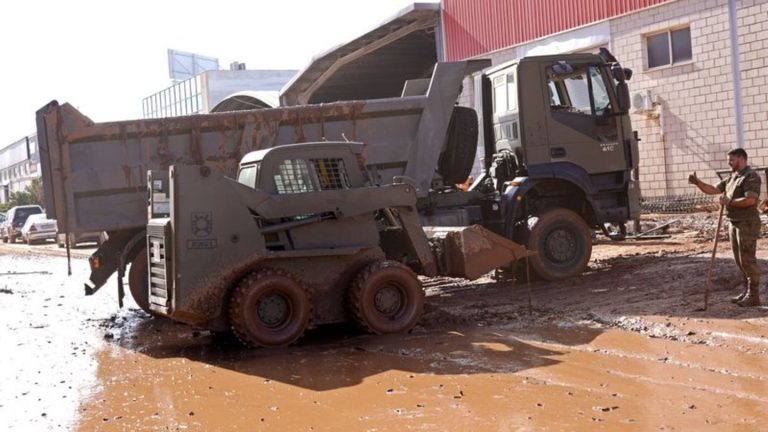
301,238
560,158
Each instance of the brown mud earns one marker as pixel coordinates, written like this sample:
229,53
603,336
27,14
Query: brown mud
623,347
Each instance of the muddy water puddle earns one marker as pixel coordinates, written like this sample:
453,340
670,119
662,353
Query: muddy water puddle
78,363
157,376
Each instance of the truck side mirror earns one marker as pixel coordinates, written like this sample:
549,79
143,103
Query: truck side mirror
622,93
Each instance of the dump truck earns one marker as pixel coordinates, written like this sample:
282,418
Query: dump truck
300,238
559,158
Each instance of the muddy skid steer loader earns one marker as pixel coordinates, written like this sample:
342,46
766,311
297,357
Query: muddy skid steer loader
299,239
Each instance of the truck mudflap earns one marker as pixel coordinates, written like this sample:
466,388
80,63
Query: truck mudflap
112,256
470,252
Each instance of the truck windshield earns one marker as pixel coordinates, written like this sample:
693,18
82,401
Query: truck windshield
248,174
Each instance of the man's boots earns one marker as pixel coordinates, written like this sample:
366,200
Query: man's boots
740,297
752,298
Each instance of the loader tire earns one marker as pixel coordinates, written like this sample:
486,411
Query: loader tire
138,281
562,243
458,156
269,308
386,297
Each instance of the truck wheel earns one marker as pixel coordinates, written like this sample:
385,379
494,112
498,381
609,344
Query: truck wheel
458,156
138,280
269,308
563,244
386,297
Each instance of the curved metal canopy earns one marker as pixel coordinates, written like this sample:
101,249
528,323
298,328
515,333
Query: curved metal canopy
247,100
373,66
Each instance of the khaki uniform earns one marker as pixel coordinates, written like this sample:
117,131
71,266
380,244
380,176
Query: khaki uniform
744,222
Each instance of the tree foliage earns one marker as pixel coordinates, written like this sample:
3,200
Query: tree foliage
32,194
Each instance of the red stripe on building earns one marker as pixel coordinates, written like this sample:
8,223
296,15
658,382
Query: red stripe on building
474,27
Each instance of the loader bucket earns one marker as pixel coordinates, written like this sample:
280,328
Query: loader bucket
470,252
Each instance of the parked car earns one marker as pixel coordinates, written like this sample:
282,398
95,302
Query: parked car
38,227
15,218
2,219
77,238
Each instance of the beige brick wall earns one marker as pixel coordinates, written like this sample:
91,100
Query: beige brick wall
697,122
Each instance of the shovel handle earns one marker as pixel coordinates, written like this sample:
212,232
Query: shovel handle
712,260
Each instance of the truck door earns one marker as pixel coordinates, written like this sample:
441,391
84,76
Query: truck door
581,127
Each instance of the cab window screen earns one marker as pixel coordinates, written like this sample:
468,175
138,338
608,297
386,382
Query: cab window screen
331,174
293,177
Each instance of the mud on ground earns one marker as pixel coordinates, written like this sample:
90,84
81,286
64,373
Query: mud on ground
623,347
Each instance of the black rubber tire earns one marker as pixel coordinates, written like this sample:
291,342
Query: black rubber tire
458,157
269,287
138,280
368,291
563,244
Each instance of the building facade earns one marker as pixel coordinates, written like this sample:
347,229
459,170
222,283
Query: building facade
204,91
19,165
682,88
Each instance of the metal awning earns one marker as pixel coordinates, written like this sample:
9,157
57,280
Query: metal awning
245,100
373,66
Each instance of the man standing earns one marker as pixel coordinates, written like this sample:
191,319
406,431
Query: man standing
740,193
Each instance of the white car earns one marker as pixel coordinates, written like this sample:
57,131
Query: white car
38,227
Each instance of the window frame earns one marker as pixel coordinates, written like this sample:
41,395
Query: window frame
670,51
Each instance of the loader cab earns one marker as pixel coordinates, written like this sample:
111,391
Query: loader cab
303,168
566,109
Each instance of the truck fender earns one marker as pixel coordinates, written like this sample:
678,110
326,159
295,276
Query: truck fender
567,171
511,201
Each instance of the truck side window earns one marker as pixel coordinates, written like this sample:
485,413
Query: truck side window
599,93
554,95
293,177
331,174
580,91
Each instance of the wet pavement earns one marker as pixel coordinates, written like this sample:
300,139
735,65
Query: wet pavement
480,360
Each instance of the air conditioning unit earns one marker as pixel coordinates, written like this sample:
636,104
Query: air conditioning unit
642,101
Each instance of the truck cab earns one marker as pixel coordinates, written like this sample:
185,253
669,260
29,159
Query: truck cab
558,137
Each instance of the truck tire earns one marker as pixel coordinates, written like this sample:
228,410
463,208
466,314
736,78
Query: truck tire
269,308
386,297
458,156
563,244
138,281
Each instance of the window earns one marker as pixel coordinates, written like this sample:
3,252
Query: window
499,95
504,94
579,89
331,174
293,177
248,175
670,47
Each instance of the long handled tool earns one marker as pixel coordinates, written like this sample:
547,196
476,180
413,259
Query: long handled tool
712,260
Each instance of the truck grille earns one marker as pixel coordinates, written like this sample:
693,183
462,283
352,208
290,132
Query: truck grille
160,265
